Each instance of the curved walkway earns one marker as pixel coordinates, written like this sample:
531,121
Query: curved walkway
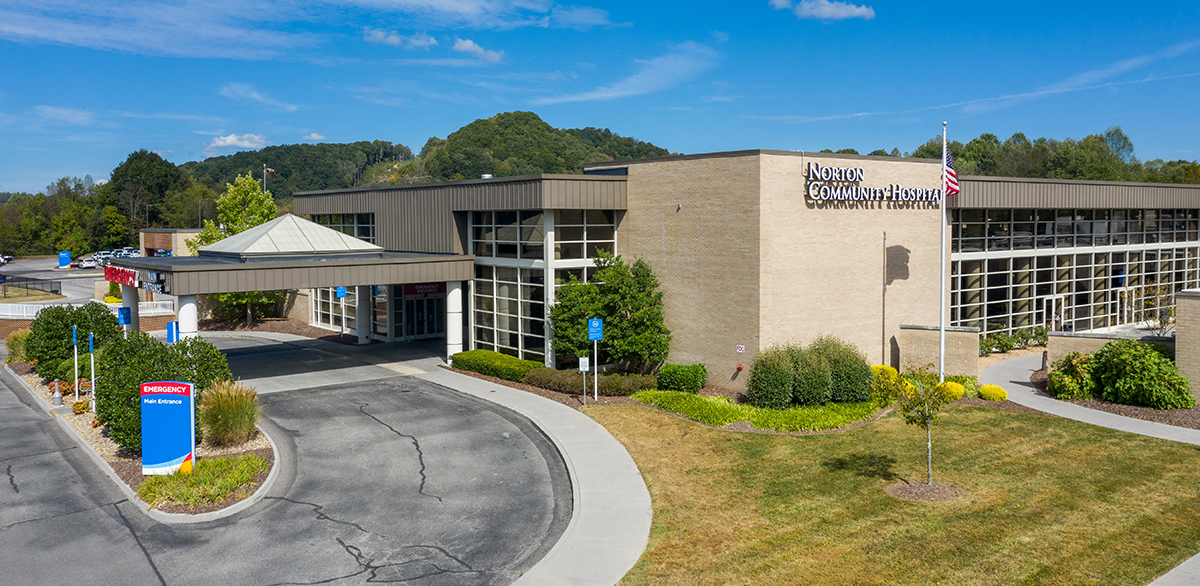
1013,375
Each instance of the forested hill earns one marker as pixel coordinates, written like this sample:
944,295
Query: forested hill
508,144
299,167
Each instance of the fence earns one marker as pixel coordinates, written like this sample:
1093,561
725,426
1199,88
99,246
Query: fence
6,281
29,311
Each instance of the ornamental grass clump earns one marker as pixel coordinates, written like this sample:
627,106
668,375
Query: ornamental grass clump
16,345
229,412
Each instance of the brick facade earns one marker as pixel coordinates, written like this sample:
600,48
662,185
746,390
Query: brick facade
1187,337
147,324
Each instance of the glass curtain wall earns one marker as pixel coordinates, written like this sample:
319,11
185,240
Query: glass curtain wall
1068,270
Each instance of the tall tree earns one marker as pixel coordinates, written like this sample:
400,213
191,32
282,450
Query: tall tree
141,182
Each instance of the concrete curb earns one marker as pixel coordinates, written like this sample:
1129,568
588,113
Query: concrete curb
168,518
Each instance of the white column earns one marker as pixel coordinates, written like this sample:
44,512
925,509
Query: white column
548,228
363,314
188,316
454,317
129,298
391,313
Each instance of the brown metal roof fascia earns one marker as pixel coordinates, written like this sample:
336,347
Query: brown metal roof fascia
467,182
755,153
1020,192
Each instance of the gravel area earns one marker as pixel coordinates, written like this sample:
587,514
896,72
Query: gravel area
926,493
129,465
1189,418
280,325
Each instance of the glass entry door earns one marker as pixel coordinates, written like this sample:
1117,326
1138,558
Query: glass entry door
425,317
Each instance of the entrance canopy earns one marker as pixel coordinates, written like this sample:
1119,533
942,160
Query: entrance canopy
288,252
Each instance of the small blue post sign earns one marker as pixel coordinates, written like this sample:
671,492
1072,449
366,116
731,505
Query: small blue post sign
595,330
64,259
124,316
341,292
168,427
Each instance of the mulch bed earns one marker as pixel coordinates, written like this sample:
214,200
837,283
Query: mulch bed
131,472
925,493
572,401
279,325
1189,418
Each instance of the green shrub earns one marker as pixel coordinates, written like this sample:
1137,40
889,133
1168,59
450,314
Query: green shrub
1040,336
1022,338
229,412
126,363
16,345
848,368
992,393
49,339
813,384
570,382
985,346
494,364
970,384
1071,377
952,391
771,378
720,411
685,378
1132,373
1001,342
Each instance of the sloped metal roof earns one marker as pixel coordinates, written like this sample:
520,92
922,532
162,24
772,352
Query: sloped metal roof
288,235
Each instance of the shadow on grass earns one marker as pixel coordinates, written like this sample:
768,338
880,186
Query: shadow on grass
865,465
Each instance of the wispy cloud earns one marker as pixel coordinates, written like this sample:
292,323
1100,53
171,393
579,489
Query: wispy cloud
469,46
243,91
235,141
68,116
681,63
417,41
825,9
313,136
493,14
173,116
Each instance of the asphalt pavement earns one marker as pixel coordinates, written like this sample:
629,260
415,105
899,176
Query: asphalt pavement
77,284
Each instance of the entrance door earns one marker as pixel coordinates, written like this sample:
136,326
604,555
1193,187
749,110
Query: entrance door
425,317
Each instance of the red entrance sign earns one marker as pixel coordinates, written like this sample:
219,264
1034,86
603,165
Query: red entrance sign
121,275
424,288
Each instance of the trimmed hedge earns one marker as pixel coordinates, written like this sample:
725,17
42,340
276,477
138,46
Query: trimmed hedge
1133,373
848,369
992,393
570,382
813,384
771,378
720,411
688,378
494,364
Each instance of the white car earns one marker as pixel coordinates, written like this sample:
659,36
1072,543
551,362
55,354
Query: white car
87,263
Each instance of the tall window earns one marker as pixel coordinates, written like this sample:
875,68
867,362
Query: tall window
509,234
510,313
361,226
583,233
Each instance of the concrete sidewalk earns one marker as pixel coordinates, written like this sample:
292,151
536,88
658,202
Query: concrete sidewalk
1013,375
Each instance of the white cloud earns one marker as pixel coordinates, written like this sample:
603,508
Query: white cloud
578,18
243,91
417,41
313,136
69,116
680,64
825,9
469,46
492,14
250,142
165,154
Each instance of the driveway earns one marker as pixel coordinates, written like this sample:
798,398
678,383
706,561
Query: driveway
387,478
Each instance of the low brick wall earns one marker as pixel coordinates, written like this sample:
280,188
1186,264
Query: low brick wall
146,323
919,347
8,326
1062,343
1187,337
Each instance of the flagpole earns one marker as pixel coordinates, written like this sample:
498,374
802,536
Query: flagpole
942,273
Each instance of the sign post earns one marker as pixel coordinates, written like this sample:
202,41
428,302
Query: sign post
168,427
341,295
92,352
583,368
75,347
596,334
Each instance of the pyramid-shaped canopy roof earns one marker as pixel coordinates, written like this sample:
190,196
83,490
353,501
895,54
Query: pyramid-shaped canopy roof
288,235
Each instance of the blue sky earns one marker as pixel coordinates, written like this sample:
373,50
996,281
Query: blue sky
84,83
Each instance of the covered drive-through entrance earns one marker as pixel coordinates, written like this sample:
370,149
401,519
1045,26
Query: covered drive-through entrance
402,295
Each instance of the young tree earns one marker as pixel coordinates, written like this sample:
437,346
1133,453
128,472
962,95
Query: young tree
244,205
920,400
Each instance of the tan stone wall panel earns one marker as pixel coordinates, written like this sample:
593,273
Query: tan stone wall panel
920,348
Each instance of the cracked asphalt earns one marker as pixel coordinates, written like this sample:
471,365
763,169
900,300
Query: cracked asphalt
393,480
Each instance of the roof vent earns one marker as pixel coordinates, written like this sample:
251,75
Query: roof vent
486,176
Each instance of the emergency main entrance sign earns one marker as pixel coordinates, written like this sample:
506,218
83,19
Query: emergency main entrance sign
168,427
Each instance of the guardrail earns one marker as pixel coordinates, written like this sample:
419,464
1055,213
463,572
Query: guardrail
48,286
29,310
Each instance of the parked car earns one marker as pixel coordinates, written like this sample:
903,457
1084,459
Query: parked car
87,263
5,259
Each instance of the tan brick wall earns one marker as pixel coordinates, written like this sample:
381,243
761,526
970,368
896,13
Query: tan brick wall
175,241
298,306
147,324
825,264
1187,337
920,348
705,253
8,326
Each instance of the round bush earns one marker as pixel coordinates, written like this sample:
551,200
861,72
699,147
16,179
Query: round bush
1132,373
1071,377
992,393
688,378
952,391
771,379
50,334
848,369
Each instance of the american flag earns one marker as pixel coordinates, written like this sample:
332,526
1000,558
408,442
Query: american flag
950,176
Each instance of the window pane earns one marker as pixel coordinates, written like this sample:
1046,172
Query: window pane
599,232
568,250
568,234
531,218
506,274
569,217
599,217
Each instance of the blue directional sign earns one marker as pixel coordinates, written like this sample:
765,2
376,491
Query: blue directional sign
341,292
595,330
74,335
172,332
124,316
64,259
91,343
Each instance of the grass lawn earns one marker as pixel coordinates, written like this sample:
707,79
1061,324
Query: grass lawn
22,294
213,480
1046,501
